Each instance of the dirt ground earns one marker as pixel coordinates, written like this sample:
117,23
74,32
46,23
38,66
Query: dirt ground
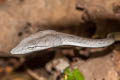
85,18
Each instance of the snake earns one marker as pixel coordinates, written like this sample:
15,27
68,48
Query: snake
49,38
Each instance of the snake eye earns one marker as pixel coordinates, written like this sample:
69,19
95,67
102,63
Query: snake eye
31,48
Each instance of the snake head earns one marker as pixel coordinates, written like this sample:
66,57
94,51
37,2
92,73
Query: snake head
37,42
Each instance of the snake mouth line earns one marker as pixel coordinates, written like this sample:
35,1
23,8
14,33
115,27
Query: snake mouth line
31,48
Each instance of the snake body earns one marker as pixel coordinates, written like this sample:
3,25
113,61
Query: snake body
50,38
